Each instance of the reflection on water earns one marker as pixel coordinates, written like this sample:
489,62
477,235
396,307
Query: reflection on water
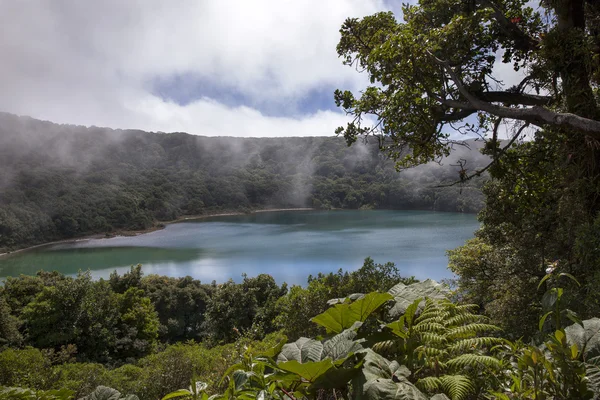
287,245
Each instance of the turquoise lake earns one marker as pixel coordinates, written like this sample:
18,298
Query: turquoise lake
289,245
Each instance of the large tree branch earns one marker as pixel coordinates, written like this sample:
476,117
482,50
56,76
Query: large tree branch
457,115
515,98
537,114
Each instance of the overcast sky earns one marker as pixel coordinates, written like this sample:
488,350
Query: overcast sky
208,67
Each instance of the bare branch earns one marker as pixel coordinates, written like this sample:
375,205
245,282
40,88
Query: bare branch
497,156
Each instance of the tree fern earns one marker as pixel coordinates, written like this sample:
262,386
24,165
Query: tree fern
592,370
470,330
457,386
445,346
474,343
474,361
429,384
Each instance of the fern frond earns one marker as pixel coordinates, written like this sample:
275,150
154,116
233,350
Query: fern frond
464,318
432,337
429,383
429,327
385,347
474,343
474,361
457,386
467,307
592,371
430,351
470,330
432,316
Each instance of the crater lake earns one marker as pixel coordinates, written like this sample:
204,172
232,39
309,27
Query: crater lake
289,245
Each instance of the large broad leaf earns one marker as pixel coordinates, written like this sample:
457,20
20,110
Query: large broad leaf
386,389
273,351
343,316
587,338
341,345
337,377
310,371
302,350
240,377
376,366
384,379
405,295
103,393
348,299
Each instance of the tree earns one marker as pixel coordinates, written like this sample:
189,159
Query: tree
137,328
434,75
180,304
436,69
235,309
9,326
52,318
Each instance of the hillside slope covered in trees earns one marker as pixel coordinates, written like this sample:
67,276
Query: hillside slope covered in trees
62,181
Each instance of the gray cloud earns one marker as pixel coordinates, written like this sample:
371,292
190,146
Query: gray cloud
93,63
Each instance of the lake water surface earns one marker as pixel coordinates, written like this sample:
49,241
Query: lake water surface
288,245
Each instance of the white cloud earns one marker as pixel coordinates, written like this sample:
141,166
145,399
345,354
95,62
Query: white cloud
93,62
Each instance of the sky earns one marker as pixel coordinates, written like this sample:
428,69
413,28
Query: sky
208,67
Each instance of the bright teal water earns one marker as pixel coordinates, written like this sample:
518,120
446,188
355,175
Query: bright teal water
287,245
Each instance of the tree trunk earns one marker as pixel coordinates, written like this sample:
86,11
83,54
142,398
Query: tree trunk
579,97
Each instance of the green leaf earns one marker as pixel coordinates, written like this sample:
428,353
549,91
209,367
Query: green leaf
348,299
302,350
549,298
544,279
343,316
177,393
384,379
570,277
398,328
405,295
273,351
341,345
310,370
240,377
586,337
543,319
572,315
336,378
103,393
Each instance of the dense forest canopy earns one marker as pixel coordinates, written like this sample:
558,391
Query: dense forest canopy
63,181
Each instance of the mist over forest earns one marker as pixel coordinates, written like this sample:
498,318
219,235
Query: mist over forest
64,181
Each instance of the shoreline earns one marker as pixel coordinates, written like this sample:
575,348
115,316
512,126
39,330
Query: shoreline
159,225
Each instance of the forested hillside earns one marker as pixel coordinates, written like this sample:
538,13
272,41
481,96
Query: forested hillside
63,181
